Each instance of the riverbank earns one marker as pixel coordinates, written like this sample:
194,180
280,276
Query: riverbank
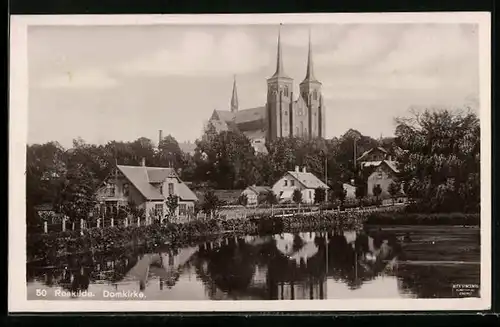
101,240
438,219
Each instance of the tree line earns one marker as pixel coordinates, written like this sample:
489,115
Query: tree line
438,159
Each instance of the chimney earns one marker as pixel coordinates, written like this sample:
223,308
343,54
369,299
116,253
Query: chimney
143,162
304,169
297,169
160,137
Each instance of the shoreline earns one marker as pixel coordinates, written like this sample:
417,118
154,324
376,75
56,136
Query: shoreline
50,247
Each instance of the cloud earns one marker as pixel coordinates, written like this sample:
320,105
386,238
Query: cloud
433,48
358,45
201,53
79,79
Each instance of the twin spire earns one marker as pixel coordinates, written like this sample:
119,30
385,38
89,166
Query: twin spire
280,72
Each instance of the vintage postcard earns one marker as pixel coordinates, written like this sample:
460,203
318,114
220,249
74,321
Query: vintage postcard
319,162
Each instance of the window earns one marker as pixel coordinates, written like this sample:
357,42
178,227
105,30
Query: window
182,209
285,113
301,127
170,188
111,190
126,189
292,183
315,95
286,91
159,209
297,130
310,195
286,182
379,175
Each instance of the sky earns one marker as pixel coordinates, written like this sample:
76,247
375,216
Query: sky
103,83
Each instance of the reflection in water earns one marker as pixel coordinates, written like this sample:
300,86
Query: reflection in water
285,266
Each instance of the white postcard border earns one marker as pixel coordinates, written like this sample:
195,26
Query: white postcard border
18,109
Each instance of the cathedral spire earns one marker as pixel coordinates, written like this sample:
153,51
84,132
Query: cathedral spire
280,72
234,97
310,66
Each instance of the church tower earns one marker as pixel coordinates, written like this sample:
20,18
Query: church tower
310,91
234,97
279,99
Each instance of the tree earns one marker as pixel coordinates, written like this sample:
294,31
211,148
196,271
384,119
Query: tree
172,204
339,193
394,190
297,196
225,159
440,160
377,190
211,203
243,199
319,195
360,192
271,198
169,153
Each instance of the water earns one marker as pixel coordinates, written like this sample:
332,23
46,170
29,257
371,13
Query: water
402,262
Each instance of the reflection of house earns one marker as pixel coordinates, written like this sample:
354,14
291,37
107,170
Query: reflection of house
304,181
284,114
254,192
146,187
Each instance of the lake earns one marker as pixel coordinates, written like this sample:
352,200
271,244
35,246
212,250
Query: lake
377,262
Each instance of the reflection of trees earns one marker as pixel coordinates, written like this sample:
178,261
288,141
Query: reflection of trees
230,267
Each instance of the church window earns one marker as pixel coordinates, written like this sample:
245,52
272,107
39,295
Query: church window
286,91
285,113
315,95
301,127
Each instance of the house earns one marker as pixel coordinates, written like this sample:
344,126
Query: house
350,190
146,187
304,181
254,192
384,173
373,155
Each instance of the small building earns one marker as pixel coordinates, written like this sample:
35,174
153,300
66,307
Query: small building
384,173
304,181
350,190
147,188
373,155
254,193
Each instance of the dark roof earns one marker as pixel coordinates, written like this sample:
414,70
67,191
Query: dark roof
371,150
142,177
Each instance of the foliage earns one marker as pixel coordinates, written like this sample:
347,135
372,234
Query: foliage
297,196
243,199
394,190
319,195
339,192
360,191
271,198
381,218
172,204
440,160
377,190
211,203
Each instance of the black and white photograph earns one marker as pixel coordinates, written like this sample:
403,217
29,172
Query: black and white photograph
250,162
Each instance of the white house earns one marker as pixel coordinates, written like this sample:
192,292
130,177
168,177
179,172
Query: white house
146,187
253,192
350,190
304,181
384,173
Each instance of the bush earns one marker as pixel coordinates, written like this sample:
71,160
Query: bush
404,218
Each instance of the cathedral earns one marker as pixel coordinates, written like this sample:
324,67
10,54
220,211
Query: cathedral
283,115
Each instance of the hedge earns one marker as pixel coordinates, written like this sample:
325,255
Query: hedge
403,218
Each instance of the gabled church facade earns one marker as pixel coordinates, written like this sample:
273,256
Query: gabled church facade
283,115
